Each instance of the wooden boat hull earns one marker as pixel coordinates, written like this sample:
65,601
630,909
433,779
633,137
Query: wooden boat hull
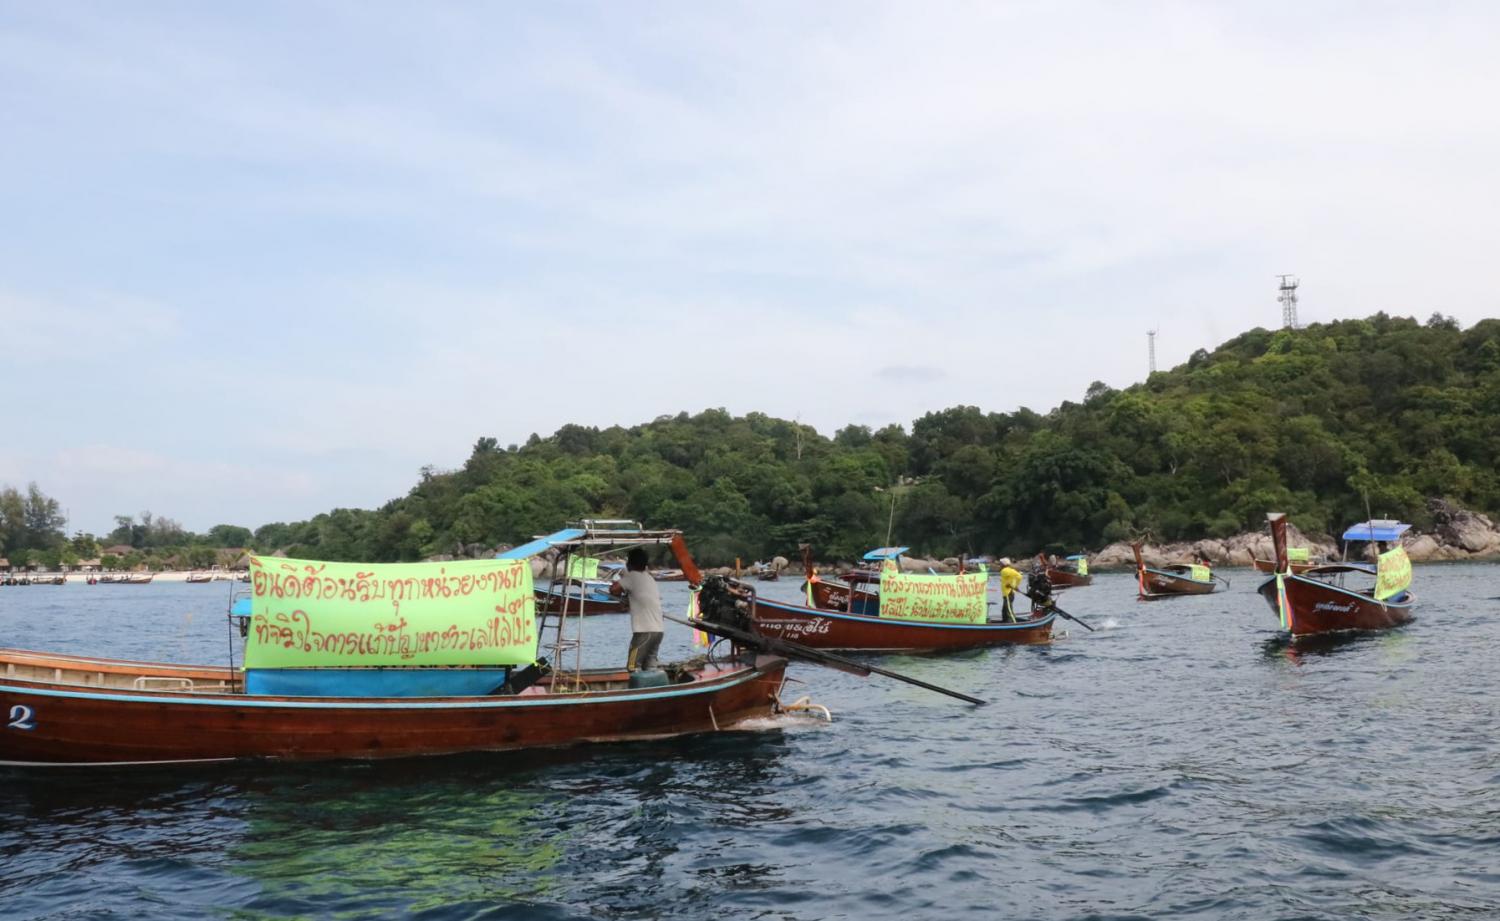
822,629
58,722
1068,578
1157,583
552,602
1318,607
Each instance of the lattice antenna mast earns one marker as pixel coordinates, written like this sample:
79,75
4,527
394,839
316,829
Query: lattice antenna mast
1151,348
1288,299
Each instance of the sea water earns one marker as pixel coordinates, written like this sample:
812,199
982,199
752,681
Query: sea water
1181,762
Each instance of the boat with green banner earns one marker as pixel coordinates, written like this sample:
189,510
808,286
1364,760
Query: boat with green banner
912,612
1173,579
1072,572
380,661
1317,601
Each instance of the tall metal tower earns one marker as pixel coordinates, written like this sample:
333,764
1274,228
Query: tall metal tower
1288,299
1151,348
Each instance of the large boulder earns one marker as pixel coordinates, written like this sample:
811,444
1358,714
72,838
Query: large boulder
1462,529
1424,548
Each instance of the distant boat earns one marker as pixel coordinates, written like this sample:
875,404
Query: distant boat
1071,573
590,597
199,577
1316,600
834,630
135,578
1172,579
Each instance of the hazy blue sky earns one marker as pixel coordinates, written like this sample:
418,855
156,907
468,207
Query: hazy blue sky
259,260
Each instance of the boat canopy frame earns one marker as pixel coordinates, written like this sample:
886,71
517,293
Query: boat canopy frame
587,537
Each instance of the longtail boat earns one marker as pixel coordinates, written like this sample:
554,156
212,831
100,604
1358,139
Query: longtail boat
475,686
1172,579
824,629
197,578
1317,601
1071,573
587,598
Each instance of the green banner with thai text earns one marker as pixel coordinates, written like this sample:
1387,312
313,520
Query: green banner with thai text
1200,573
583,567
1083,566
311,614
937,599
1296,554
1392,573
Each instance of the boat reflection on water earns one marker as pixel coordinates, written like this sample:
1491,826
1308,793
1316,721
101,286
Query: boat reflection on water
1297,650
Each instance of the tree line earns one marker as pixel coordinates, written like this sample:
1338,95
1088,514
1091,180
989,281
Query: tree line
1329,423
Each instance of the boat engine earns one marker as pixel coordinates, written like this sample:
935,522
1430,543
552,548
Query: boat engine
720,603
1039,589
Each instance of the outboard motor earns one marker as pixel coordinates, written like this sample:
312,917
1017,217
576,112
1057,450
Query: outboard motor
1039,588
718,603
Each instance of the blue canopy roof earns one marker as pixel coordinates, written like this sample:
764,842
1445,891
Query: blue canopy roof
886,553
241,607
1384,529
541,544
1077,556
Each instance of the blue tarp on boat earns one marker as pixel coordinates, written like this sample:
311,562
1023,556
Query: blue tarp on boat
542,544
886,553
1382,529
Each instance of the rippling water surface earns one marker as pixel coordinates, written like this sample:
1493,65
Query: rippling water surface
1179,763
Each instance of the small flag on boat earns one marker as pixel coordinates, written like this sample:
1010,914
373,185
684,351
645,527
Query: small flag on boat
699,637
808,585
1283,607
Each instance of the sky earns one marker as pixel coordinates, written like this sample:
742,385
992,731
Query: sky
258,261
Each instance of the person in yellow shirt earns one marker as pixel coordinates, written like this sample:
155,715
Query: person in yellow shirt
1010,580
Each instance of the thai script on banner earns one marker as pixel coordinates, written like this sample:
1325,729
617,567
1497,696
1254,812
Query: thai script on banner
1392,573
311,614
1296,554
1200,573
939,599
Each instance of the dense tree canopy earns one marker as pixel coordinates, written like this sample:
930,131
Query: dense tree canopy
1319,422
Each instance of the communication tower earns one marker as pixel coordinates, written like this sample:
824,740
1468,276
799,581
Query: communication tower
1288,299
1151,348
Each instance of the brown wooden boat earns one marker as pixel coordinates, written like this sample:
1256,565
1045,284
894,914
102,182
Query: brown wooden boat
590,600
834,630
79,710
199,577
1170,580
82,710
1067,574
1316,601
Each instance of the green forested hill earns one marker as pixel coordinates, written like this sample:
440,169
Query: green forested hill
1310,421
1314,421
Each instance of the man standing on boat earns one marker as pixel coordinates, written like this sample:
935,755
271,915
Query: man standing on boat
1010,580
645,611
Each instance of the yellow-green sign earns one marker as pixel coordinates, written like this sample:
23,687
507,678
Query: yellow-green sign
1296,554
1392,573
1083,566
939,599
583,567
310,614
1201,573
